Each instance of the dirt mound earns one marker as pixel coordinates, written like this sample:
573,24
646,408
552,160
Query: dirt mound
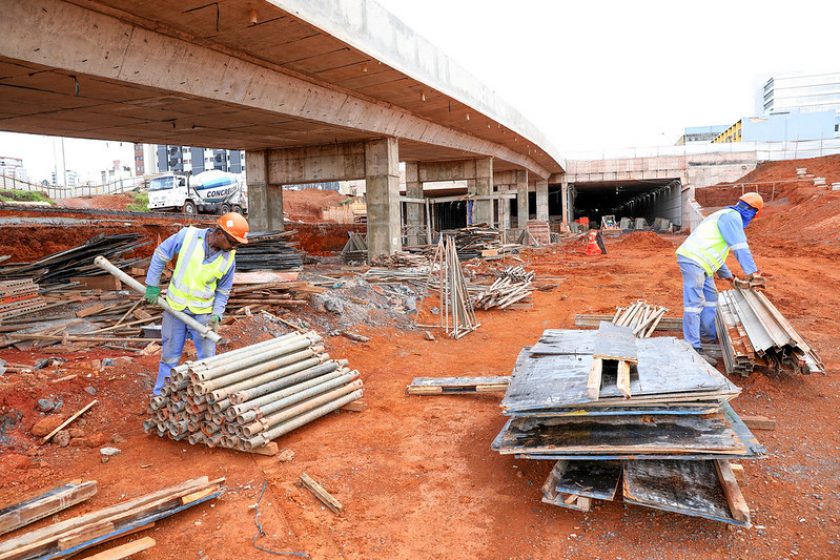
102,202
306,205
644,240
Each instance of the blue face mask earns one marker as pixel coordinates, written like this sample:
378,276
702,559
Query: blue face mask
746,211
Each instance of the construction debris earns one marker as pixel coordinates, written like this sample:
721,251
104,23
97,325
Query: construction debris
52,501
512,285
18,297
754,335
457,385
318,491
269,251
246,398
640,317
669,414
355,251
71,536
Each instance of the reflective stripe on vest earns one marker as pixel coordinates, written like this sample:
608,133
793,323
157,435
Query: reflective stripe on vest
193,283
706,245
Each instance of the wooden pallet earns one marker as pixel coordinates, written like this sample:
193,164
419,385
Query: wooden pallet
457,385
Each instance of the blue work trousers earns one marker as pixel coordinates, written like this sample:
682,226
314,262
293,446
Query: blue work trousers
173,336
699,304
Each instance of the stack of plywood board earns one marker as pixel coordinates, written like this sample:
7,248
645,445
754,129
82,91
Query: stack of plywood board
607,406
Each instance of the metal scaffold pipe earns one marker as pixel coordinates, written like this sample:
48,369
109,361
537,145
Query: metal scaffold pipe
269,422
297,397
203,330
251,369
273,375
244,396
235,356
265,437
216,370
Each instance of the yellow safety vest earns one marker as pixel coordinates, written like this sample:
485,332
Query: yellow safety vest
706,245
193,283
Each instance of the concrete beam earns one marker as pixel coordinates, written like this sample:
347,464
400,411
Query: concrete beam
265,200
436,171
542,200
86,43
382,180
504,178
523,211
317,164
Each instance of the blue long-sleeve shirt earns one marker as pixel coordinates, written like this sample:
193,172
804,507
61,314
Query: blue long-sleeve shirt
732,229
171,246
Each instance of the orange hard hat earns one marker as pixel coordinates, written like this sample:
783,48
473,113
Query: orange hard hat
234,225
753,199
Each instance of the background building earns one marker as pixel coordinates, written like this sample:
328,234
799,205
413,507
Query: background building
12,167
700,134
801,93
783,127
116,172
186,159
145,159
72,179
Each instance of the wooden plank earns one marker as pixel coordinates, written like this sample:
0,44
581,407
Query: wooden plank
270,449
104,282
737,504
623,379
263,277
593,384
555,498
64,424
87,533
457,385
684,487
593,320
759,422
199,494
124,550
319,492
356,406
46,504
90,310
615,343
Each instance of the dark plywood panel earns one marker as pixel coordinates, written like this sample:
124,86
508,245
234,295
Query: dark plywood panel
615,343
592,479
685,487
660,434
565,341
622,411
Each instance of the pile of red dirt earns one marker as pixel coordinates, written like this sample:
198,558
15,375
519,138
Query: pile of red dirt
102,202
644,240
306,205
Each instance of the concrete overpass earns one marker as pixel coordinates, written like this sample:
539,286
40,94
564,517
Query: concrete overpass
313,90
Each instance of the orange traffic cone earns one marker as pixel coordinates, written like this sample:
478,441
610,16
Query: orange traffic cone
592,248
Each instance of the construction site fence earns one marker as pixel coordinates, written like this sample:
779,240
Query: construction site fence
762,151
57,192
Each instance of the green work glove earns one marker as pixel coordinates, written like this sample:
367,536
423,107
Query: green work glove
214,323
152,294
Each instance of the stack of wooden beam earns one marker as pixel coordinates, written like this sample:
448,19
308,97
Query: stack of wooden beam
270,296
512,285
269,251
71,536
19,296
606,405
640,317
245,398
754,335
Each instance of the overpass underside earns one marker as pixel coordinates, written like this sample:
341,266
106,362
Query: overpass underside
649,199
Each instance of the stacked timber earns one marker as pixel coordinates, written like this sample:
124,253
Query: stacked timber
269,251
245,398
480,241
270,296
640,317
607,406
71,536
754,335
512,285
59,268
18,297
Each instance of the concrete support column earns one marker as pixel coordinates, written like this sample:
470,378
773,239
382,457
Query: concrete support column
415,214
382,180
483,209
471,204
542,200
504,209
522,209
565,210
265,201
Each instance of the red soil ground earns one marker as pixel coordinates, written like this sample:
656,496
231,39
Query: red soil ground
103,202
416,475
306,205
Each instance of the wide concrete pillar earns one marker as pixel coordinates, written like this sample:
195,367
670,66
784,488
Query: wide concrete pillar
504,209
415,214
522,209
382,180
483,209
542,200
265,201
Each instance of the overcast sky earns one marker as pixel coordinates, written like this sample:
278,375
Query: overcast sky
590,74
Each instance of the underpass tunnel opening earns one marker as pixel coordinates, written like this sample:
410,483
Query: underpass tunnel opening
649,199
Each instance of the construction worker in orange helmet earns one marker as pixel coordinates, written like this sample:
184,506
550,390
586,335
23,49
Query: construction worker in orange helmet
200,285
703,255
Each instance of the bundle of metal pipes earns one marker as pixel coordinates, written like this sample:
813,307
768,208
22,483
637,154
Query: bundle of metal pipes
755,335
245,398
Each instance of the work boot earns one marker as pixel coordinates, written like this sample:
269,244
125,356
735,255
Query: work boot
710,359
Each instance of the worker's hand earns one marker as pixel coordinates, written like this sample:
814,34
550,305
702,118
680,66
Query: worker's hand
731,280
754,275
214,323
152,294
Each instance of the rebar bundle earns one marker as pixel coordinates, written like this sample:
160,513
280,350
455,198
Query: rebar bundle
245,398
